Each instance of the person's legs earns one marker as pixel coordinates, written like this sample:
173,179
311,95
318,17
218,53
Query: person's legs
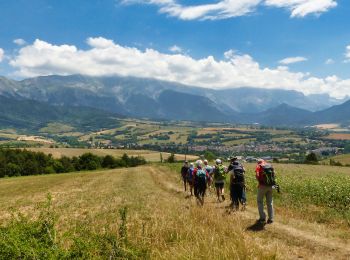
235,201
244,196
260,202
269,203
232,194
239,194
202,189
222,191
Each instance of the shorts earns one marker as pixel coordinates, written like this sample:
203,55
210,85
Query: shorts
219,185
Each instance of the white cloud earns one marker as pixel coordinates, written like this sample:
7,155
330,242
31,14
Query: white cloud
175,49
1,54
291,60
19,42
104,57
233,8
302,8
329,62
347,54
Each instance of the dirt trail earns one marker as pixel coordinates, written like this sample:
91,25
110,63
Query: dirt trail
334,248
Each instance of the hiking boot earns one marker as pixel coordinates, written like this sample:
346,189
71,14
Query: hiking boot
269,221
223,197
243,207
261,221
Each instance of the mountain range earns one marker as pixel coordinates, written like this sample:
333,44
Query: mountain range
156,99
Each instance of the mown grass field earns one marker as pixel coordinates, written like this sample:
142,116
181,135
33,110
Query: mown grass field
150,156
164,223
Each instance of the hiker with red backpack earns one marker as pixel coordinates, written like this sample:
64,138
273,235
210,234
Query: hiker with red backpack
184,171
265,175
219,179
200,181
237,184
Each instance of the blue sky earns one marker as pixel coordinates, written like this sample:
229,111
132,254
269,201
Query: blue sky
303,41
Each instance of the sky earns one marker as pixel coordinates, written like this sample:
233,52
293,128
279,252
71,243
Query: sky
302,45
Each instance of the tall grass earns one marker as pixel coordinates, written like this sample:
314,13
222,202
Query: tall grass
25,238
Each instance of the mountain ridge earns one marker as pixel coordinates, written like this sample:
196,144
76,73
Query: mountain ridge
155,99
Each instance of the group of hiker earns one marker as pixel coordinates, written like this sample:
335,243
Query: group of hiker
200,176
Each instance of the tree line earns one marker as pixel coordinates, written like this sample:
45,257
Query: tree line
17,162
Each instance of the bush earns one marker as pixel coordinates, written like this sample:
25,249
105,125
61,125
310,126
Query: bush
171,158
311,158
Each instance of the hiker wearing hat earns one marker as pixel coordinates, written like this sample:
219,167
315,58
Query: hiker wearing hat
266,177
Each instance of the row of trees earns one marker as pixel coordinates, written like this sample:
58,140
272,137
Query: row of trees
16,162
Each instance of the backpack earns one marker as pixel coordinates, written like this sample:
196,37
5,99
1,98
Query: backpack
238,173
219,173
268,174
201,174
209,169
190,174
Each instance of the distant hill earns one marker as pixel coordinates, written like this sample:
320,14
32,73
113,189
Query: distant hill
33,115
281,115
156,99
338,113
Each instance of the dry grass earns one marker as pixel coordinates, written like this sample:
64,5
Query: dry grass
161,219
338,136
343,159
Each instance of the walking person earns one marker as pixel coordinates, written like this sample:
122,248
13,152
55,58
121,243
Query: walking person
190,178
265,176
184,171
219,179
210,171
200,181
237,183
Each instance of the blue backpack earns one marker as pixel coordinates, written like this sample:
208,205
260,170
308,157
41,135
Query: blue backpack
201,174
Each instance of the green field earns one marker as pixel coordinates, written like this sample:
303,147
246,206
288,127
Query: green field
312,215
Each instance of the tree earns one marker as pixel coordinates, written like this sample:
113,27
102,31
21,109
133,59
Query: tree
209,156
311,158
89,161
12,170
108,162
171,158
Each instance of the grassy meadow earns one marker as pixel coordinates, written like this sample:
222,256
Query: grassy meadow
143,212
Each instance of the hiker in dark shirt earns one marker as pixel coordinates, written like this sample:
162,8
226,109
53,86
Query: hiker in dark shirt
184,174
237,184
